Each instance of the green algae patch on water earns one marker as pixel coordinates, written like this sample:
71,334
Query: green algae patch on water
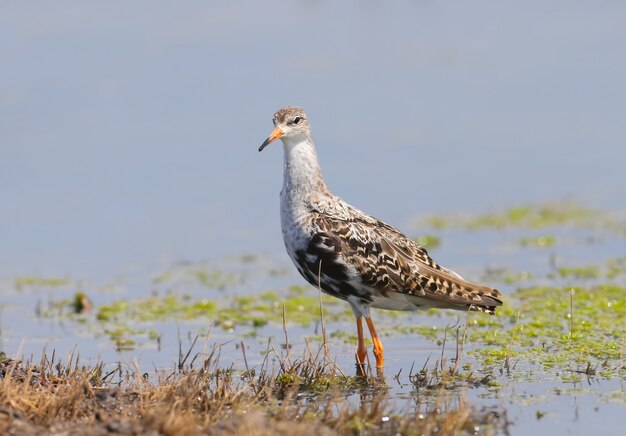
579,272
610,270
506,276
615,267
23,282
532,216
560,331
269,307
120,335
542,241
229,313
193,274
156,308
428,242
538,216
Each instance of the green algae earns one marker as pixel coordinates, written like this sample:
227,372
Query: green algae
120,335
235,312
126,338
506,275
532,216
156,308
428,242
269,307
615,268
579,272
433,333
193,274
559,330
348,337
543,241
609,271
537,216
23,282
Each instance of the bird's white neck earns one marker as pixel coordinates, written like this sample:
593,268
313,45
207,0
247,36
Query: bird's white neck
302,173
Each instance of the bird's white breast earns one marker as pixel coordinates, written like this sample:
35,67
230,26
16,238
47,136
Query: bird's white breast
293,221
301,178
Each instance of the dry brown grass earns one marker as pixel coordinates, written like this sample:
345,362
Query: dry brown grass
307,395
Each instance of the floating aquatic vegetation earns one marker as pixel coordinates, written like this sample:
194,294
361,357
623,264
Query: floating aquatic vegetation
234,312
505,275
23,282
532,216
156,308
428,242
543,241
559,330
579,272
615,268
609,270
208,277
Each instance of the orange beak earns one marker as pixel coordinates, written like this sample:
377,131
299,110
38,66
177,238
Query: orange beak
277,133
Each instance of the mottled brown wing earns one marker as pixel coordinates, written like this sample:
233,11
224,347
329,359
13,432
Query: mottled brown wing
388,261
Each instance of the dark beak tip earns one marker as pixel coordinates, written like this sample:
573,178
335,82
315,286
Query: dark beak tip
265,144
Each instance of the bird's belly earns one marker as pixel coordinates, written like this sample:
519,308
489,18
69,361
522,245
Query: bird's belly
396,301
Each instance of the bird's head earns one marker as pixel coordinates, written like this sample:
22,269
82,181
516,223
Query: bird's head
291,126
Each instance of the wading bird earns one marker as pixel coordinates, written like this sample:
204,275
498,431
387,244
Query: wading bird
353,256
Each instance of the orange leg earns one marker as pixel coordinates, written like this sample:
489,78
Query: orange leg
361,351
378,345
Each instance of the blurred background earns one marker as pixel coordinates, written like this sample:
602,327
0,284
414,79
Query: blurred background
129,131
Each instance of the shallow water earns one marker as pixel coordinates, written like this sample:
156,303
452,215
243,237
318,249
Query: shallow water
128,138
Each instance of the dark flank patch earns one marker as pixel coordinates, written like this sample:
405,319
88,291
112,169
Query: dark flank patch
326,249
334,276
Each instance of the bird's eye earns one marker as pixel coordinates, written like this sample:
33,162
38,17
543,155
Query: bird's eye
274,121
296,120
